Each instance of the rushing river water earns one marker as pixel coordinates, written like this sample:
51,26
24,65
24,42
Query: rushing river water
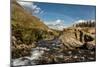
40,55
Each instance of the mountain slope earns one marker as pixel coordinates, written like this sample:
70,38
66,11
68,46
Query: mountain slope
24,19
26,29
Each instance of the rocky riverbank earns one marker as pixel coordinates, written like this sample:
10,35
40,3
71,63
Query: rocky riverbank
54,56
55,51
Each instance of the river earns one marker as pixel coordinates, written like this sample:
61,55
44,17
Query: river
50,52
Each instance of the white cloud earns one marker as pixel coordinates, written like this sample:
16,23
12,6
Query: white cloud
56,24
83,21
30,7
80,21
59,21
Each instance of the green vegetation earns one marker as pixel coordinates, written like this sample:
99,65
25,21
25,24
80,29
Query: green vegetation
26,29
85,24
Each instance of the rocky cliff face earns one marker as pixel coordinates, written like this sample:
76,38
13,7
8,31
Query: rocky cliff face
75,37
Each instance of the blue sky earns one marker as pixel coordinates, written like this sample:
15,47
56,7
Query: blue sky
66,13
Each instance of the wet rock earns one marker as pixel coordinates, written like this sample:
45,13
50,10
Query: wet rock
92,53
82,58
88,37
50,44
21,61
75,57
91,58
29,60
69,52
21,50
88,46
91,45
